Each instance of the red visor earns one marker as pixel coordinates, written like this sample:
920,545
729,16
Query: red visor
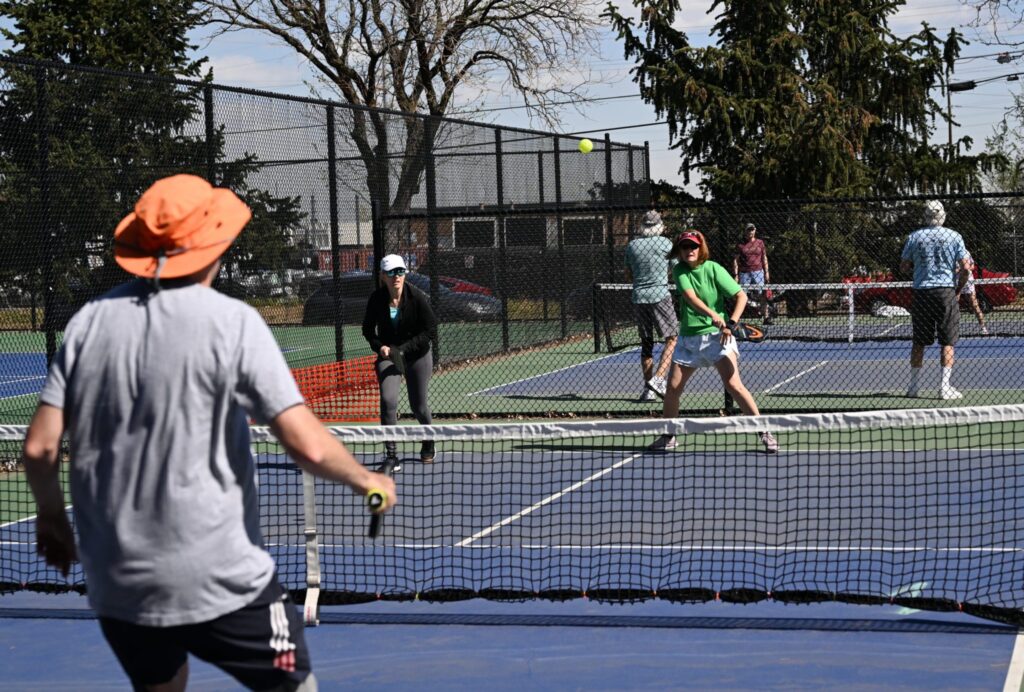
689,237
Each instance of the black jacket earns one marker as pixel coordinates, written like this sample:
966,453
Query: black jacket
417,326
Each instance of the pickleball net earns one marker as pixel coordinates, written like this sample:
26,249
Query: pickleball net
842,313
923,508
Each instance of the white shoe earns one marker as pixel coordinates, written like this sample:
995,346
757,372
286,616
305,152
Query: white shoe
984,330
771,445
647,394
948,393
663,444
657,385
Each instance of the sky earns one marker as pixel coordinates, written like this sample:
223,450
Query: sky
254,60
251,59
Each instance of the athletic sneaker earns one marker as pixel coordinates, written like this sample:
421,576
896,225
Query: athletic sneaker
657,385
984,330
647,394
394,469
663,444
427,451
771,445
948,393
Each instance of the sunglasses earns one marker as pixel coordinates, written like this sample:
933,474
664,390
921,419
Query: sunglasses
688,247
396,272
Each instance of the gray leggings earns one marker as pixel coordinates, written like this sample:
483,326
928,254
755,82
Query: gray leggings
417,375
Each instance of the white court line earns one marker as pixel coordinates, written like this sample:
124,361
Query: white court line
31,518
796,376
13,380
546,501
550,372
1015,674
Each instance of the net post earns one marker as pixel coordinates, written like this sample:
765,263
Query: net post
594,301
502,269
850,313
332,190
311,608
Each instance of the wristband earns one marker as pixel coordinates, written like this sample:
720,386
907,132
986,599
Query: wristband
731,324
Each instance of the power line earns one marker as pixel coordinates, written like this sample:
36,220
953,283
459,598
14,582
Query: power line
554,103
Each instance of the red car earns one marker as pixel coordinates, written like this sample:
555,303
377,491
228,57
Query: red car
870,299
463,286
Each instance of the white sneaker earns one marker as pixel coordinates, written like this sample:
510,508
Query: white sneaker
657,385
663,444
771,445
647,394
948,393
984,330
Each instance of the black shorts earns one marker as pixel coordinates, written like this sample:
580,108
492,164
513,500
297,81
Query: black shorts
261,645
935,312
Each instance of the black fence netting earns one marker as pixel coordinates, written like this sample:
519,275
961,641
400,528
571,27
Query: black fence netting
519,238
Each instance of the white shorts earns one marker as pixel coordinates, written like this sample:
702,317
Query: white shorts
702,350
968,288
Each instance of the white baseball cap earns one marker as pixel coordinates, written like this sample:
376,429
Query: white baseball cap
392,262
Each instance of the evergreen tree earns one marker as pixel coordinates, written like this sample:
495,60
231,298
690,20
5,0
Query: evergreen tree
77,148
800,98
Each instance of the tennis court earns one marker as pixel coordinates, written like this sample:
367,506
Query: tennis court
902,511
861,374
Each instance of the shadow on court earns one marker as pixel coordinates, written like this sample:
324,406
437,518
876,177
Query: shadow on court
48,642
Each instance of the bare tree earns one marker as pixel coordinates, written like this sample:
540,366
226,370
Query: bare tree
416,55
998,20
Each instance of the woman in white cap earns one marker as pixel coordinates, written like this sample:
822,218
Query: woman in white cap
400,326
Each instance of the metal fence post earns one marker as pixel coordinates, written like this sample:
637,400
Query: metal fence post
47,228
544,245
332,195
608,198
430,172
632,195
562,303
502,268
377,230
211,143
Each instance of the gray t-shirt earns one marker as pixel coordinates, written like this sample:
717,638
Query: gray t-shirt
157,388
645,258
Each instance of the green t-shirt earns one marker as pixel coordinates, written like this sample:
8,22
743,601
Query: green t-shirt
712,284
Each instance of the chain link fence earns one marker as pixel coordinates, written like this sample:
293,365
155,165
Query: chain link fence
518,237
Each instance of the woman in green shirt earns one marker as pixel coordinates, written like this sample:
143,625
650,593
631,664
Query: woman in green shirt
706,338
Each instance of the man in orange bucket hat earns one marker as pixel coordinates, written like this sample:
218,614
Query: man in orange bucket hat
154,385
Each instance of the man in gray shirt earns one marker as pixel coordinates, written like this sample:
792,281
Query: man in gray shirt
648,267
154,385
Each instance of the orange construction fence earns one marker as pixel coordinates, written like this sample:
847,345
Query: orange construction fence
344,392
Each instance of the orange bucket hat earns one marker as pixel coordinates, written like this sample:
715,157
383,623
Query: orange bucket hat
180,225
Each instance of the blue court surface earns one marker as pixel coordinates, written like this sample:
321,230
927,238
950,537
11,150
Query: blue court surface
792,369
21,374
934,523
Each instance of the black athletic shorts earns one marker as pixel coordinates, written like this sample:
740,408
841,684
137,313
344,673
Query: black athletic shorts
261,645
935,312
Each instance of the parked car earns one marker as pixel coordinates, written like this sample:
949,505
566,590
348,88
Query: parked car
870,300
463,286
357,286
